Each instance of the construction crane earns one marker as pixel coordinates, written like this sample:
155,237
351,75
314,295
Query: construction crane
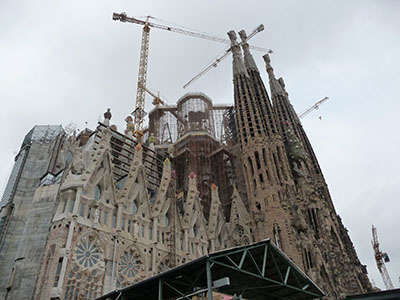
315,106
139,112
381,258
215,63
157,101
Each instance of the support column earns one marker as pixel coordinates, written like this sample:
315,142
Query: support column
119,217
69,238
154,258
113,277
155,229
160,289
186,239
209,280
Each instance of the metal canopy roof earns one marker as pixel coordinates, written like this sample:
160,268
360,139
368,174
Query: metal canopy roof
256,271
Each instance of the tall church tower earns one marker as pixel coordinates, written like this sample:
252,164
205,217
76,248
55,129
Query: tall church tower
270,186
288,196
327,251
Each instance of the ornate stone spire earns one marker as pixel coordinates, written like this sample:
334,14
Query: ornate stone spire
261,95
284,111
237,65
249,62
275,87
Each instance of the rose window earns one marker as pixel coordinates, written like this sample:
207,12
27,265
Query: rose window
129,268
129,264
87,253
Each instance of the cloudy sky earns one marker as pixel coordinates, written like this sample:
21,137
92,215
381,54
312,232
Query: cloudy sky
66,62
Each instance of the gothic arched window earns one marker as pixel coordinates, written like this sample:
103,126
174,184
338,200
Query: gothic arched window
135,207
97,192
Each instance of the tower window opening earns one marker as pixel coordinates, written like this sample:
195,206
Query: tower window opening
251,165
276,167
58,271
257,160
264,157
261,178
268,176
309,259
277,236
313,217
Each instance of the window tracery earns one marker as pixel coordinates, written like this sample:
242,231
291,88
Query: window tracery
84,279
87,254
130,268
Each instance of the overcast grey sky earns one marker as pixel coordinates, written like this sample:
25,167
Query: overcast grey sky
67,61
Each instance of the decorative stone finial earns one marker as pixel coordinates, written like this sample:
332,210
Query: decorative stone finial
237,64
114,127
249,62
107,117
267,59
130,127
275,86
152,139
232,36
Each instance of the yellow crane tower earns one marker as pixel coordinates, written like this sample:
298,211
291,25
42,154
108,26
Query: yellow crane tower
139,112
381,258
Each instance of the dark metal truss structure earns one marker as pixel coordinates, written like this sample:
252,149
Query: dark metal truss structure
256,271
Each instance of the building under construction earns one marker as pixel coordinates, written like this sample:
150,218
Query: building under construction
85,215
200,137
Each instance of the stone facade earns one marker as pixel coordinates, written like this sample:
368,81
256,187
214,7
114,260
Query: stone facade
98,212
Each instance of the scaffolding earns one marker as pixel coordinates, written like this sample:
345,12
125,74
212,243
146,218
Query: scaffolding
200,136
122,155
194,112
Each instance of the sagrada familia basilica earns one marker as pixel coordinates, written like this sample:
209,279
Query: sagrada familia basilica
86,214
